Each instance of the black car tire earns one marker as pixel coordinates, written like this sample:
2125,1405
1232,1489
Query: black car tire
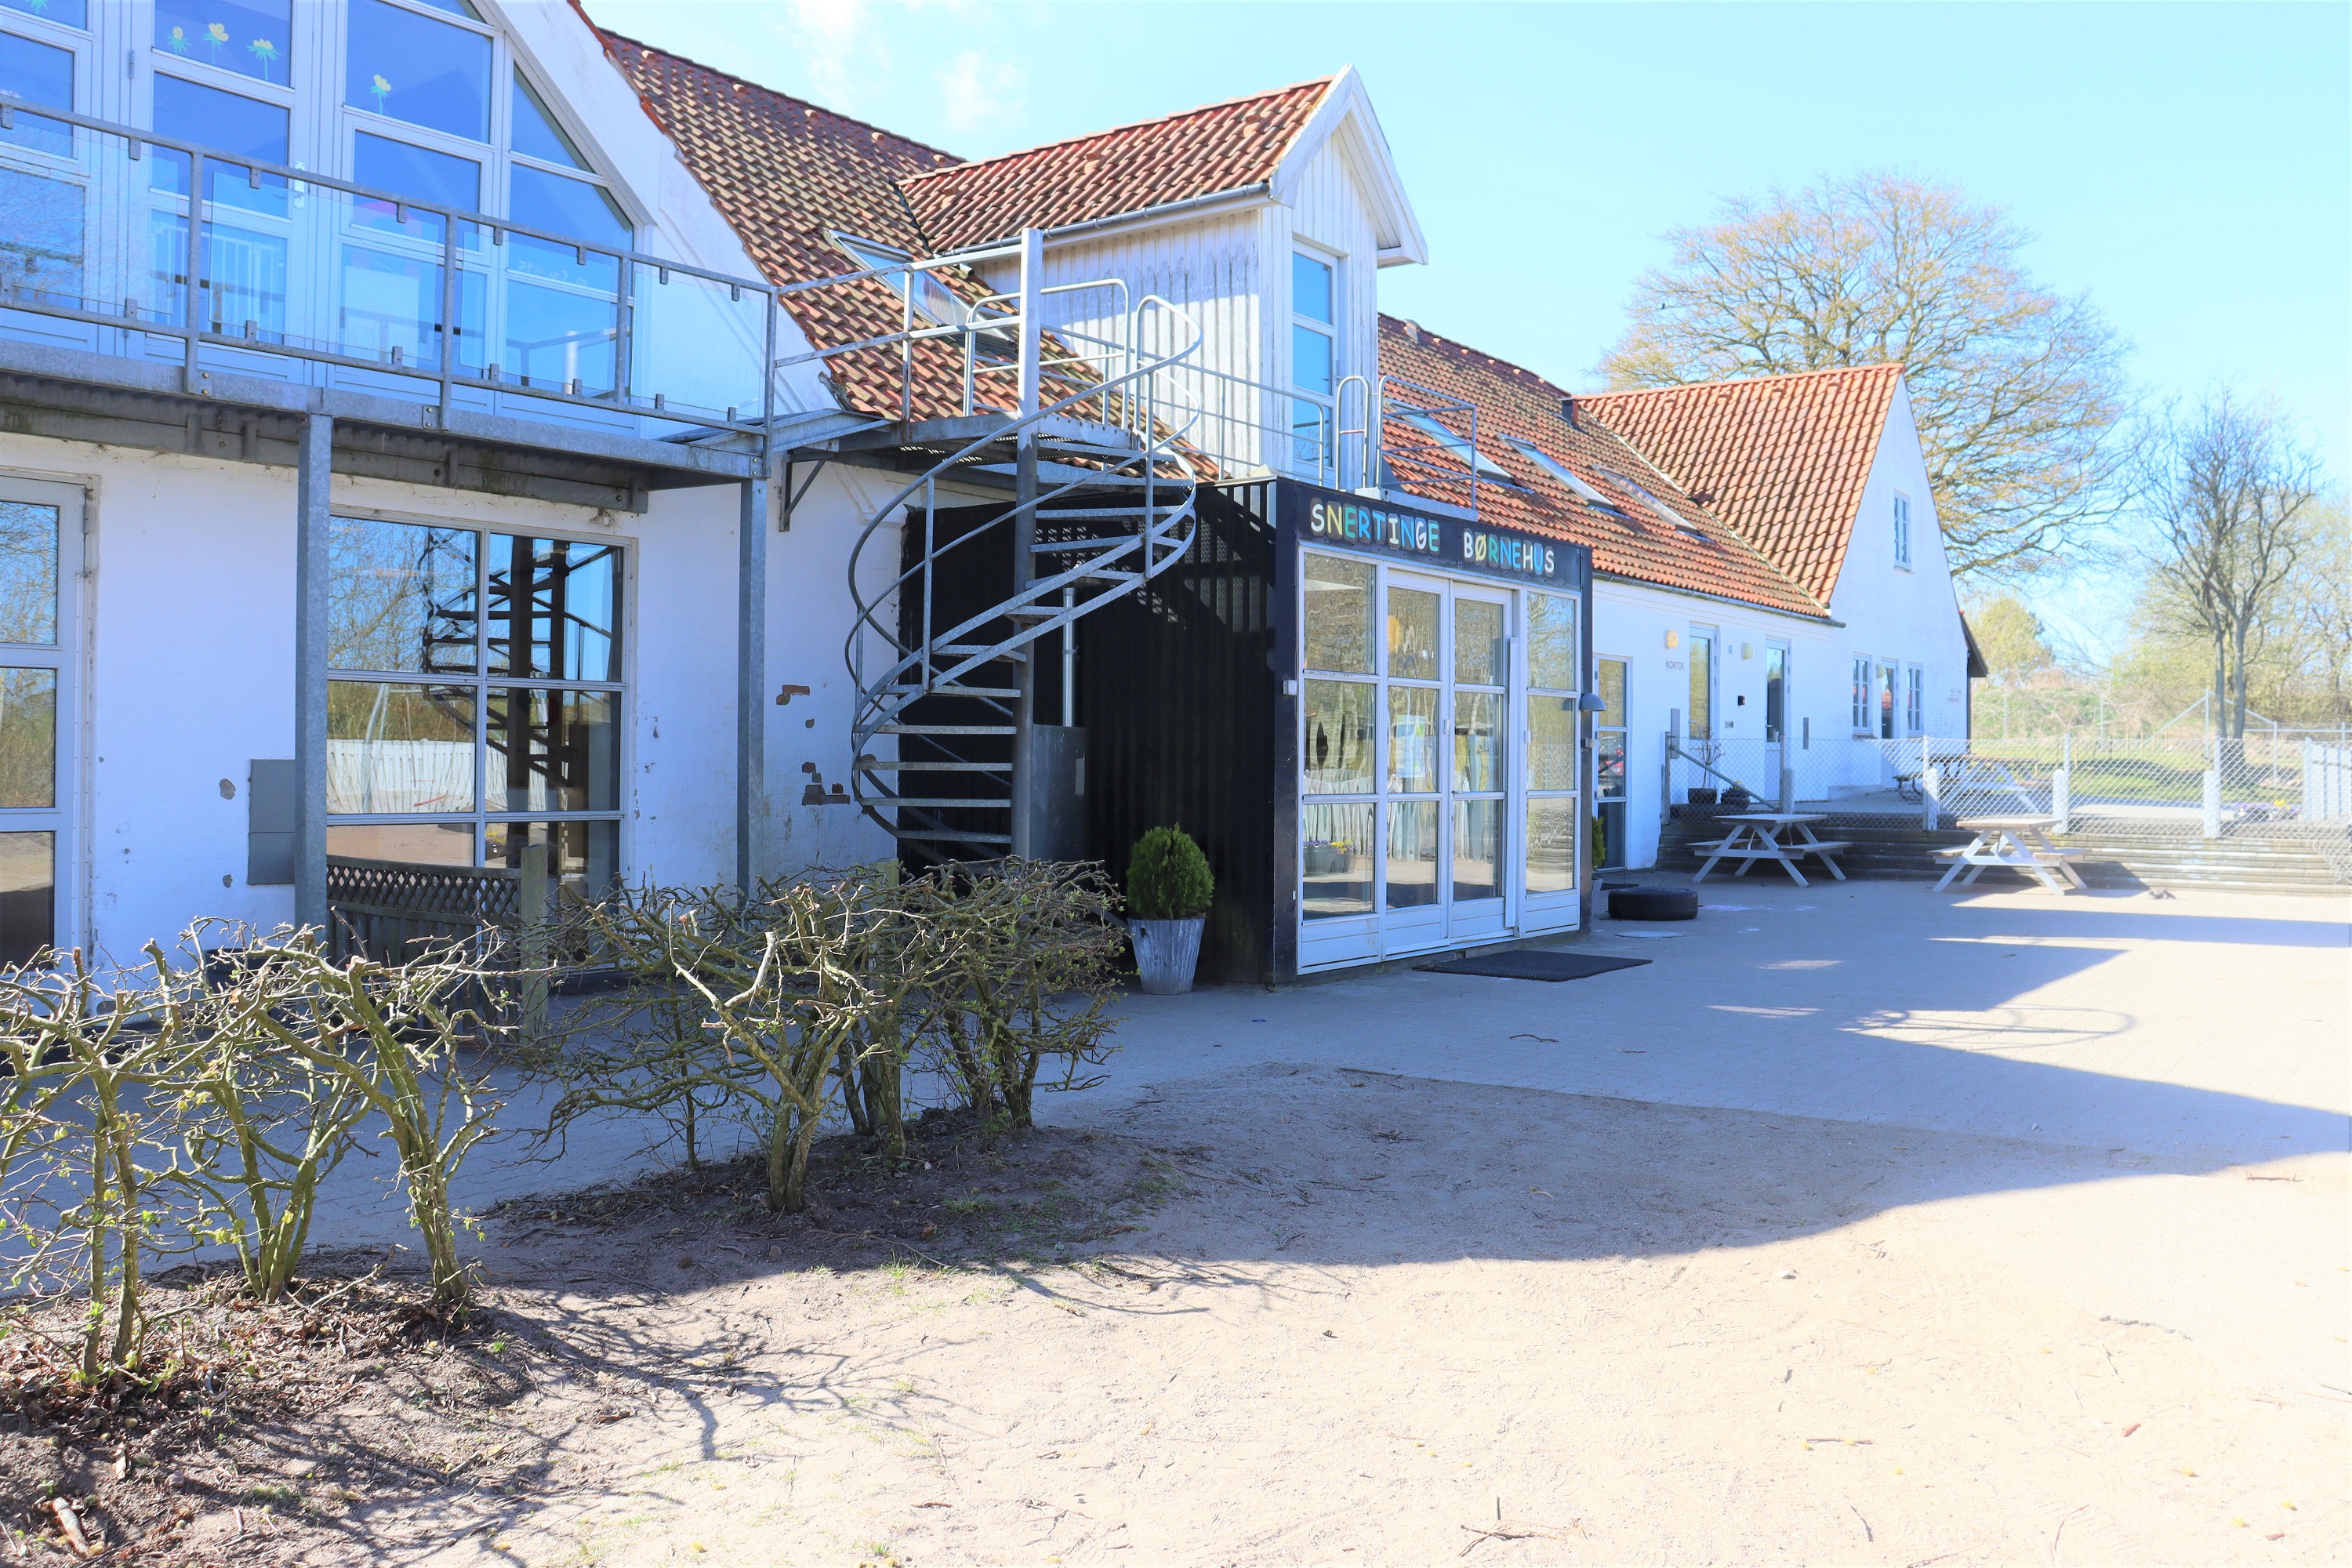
1653,904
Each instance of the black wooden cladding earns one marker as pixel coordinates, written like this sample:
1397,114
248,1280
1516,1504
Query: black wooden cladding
1177,693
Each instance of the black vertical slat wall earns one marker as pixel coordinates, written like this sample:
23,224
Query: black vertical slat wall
1176,691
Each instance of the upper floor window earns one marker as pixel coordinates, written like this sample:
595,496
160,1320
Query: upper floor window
1903,531
1314,356
65,13
251,37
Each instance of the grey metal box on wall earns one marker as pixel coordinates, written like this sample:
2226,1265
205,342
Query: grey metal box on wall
272,787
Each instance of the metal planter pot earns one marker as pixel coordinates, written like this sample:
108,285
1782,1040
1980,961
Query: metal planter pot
1166,953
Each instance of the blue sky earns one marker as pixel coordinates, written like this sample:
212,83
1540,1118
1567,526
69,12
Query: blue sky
2187,164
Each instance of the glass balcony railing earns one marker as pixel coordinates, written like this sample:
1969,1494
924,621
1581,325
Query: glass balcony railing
160,250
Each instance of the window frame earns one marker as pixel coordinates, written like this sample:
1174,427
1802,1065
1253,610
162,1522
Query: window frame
1329,403
1914,700
481,682
1902,518
64,818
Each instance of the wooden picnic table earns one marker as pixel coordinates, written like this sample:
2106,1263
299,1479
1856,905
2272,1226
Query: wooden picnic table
1759,836
2020,843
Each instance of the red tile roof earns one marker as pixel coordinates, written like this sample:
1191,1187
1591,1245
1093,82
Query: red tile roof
782,172
1782,459
1181,157
1633,539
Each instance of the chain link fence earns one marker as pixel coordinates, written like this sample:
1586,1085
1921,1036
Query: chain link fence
2276,784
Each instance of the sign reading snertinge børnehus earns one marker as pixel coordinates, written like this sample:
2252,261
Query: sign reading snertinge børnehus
1442,543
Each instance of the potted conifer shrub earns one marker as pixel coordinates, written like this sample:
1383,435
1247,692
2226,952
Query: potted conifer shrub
1168,891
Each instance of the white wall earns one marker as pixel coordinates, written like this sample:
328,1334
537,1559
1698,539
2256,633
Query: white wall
1630,621
189,646
1906,616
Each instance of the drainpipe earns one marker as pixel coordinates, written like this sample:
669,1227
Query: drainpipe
751,676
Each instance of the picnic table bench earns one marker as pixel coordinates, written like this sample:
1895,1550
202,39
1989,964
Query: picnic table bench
2020,842
1758,836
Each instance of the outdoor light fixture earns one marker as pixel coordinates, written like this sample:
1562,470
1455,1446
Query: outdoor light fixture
1591,702
1673,639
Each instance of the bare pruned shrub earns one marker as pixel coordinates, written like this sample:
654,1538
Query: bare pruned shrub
1024,979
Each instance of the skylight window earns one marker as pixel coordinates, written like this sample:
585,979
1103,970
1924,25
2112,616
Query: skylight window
1560,471
1653,503
935,303
1485,467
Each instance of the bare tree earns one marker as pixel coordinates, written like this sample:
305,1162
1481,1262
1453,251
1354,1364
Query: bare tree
2230,497
2017,390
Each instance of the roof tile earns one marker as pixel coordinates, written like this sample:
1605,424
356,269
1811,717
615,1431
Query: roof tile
1782,459
1632,539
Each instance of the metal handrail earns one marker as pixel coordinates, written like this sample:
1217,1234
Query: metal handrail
299,182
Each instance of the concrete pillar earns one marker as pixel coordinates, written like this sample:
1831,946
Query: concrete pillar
313,527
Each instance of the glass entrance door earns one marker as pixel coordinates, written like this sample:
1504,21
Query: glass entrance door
1414,804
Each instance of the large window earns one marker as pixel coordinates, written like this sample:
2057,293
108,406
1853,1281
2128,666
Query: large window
475,705
1701,684
1555,662
40,558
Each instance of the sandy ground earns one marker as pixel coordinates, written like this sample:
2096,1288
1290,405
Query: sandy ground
1861,1226
1392,1320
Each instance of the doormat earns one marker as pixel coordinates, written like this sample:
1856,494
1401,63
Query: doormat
1533,963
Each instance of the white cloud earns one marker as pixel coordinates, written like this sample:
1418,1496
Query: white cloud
977,91
839,48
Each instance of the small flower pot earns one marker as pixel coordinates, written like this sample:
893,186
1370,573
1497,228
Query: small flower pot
1166,953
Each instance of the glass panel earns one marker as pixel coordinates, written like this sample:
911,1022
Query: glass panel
1609,763
1478,642
41,244
393,748
245,254
414,68
29,574
1477,850
454,8
1702,687
416,172
554,609
1478,742
1310,432
1337,633
1412,854
1413,635
561,332
399,598
583,856
418,843
1551,846
568,207
65,13
534,131
28,738
1338,759
1337,873
1310,287
1310,360
1887,702
1612,692
1551,747
251,36
28,894
695,344
1551,642
388,282
38,73
228,120
1412,739
1776,692
553,750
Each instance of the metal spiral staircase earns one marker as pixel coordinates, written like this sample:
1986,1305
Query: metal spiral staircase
1104,488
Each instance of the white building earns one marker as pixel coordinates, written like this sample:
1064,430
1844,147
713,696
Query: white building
443,509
